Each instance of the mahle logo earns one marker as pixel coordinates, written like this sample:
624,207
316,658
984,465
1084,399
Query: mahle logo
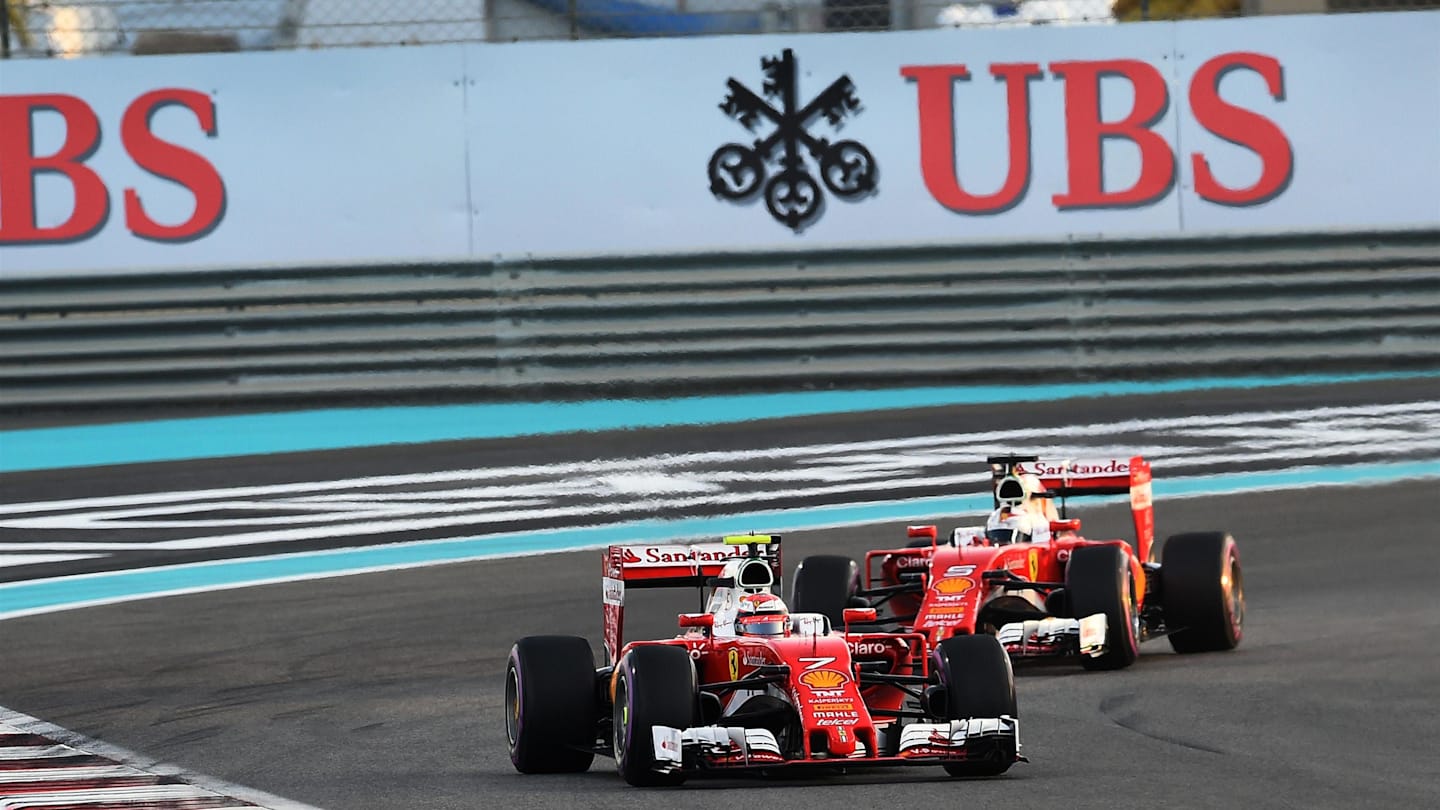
779,164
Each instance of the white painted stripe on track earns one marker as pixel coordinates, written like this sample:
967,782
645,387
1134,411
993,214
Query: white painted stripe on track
34,751
463,518
32,559
923,510
1004,439
139,797
478,513
76,772
125,518
843,472
193,785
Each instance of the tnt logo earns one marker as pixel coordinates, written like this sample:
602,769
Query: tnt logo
793,197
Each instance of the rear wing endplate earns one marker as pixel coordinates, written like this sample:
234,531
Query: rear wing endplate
1067,478
673,565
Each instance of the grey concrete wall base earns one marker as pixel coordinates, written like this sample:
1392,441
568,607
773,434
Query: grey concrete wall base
666,325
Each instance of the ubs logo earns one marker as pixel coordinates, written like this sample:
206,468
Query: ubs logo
786,147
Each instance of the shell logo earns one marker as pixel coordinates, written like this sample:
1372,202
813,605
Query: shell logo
822,679
954,585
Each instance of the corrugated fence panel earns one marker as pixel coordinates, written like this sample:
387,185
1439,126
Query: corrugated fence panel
692,324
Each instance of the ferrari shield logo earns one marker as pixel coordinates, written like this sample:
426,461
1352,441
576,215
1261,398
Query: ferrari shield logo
1034,565
734,659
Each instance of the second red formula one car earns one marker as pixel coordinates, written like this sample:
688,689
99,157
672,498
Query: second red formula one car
1028,577
749,687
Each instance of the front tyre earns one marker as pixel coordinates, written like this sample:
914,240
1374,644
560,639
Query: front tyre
1204,592
551,711
1098,580
979,682
655,685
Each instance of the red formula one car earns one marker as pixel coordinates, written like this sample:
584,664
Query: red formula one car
1028,577
748,686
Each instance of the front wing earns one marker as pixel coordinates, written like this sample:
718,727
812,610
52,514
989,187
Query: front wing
728,749
1045,638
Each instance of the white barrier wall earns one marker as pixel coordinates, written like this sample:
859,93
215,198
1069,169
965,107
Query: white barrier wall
316,156
735,143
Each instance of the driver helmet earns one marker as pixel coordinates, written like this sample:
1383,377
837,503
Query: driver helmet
1018,489
762,614
1007,526
1033,484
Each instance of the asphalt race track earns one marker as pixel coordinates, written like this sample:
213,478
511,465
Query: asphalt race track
385,690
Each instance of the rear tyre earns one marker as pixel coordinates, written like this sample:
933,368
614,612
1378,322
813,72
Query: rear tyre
1204,592
655,685
825,583
979,682
1098,580
551,707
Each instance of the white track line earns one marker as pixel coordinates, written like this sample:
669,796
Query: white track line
69,743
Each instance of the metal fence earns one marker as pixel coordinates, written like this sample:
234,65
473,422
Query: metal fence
67,28
667,325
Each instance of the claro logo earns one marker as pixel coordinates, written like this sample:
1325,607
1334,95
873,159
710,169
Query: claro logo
1085,133
91,210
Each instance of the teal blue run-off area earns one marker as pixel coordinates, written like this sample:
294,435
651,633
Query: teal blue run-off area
22,598
222,436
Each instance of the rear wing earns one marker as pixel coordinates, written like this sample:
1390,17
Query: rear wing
1066,478
669,565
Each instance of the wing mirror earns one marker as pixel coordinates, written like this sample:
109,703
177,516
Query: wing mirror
927,532
704,620
1071,525
858,616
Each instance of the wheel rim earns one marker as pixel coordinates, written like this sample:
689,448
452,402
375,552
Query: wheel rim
1133,615
512,706
1232,583
621,720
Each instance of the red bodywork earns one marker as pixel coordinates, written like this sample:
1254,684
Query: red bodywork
822,685
955,589
818,674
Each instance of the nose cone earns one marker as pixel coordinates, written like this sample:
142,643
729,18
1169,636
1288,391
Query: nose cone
842,741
